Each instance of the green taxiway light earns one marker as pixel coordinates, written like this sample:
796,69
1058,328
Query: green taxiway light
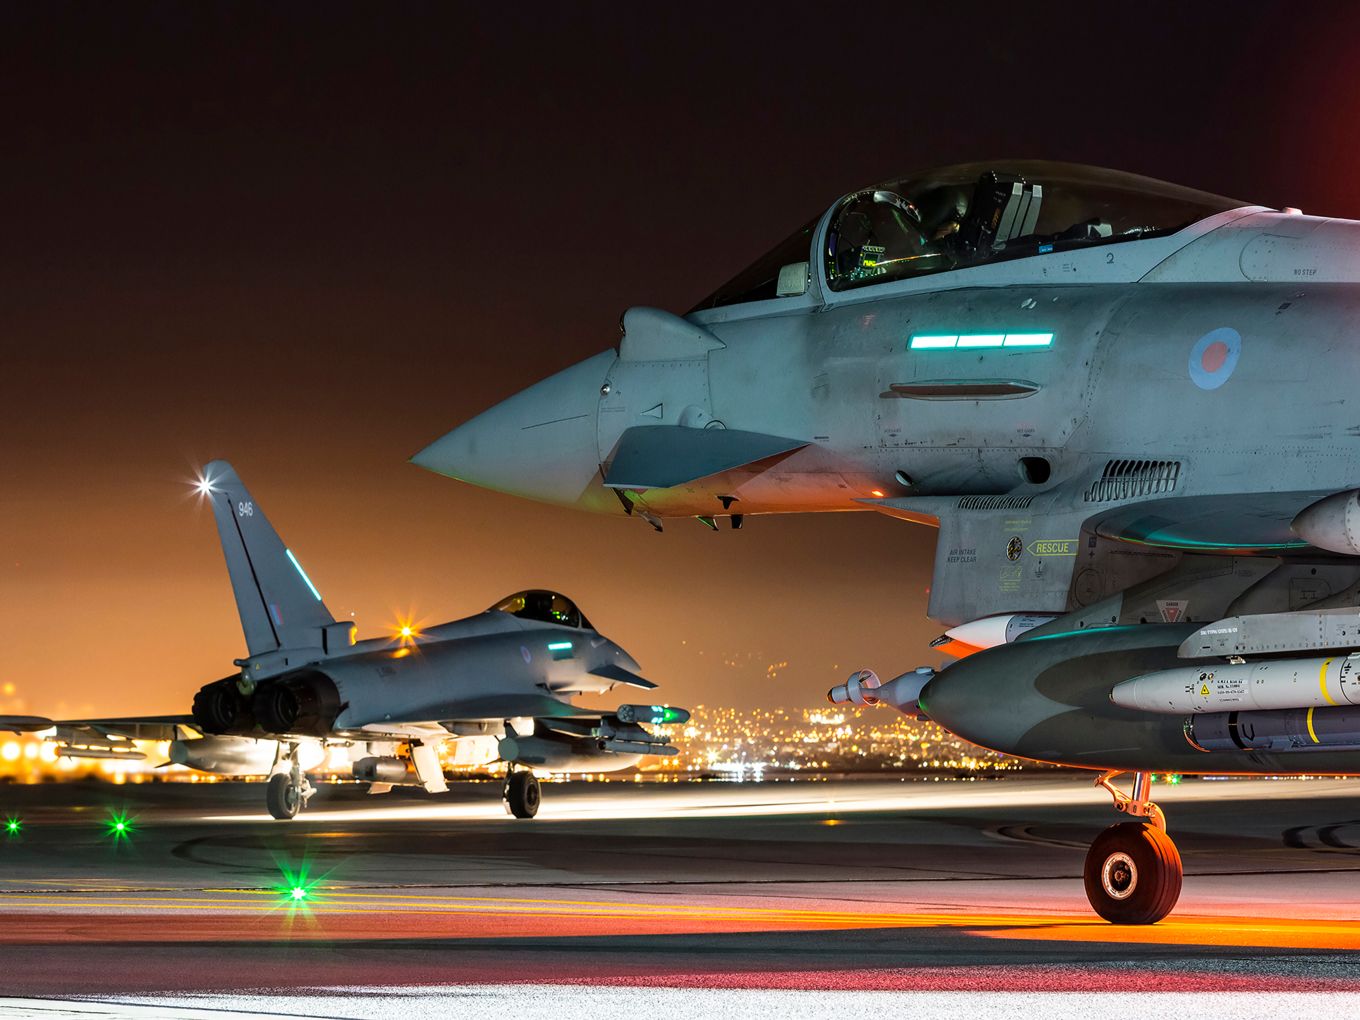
119,826
296,888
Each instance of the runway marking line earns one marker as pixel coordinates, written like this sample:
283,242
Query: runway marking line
546,917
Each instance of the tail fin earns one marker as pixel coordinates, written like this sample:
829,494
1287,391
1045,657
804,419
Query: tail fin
279,605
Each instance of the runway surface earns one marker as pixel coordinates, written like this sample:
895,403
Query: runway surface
936,888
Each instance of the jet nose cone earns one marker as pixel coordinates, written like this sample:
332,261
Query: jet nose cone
542,443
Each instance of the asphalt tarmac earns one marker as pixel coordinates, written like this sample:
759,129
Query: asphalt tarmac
936,888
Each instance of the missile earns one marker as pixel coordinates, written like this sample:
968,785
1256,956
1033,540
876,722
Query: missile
988,632
557,753
1245,686
657,715
1312,729
66,751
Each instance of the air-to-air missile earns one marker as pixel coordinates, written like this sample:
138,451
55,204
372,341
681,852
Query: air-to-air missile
1122,403
497,686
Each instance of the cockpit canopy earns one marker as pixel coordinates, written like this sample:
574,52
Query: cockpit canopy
543,607
966,215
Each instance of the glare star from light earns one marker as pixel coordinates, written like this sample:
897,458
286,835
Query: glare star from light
119,826
296,889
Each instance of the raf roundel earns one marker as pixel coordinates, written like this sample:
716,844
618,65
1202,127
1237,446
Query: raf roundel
1214,357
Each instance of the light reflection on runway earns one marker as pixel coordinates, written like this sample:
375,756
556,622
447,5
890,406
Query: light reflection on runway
755,800
701,885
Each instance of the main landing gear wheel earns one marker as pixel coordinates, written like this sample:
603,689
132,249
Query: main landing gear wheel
1133,874
522,795
283,796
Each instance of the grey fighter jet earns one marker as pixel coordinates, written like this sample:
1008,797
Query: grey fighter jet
496,686
1127,407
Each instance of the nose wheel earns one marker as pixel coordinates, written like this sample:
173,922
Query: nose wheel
288,790
1133,870
522,795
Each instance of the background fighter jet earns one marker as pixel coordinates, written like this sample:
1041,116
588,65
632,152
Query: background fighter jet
1128,409
493,686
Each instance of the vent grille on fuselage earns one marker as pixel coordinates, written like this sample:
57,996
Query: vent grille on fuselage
994,502
1129,479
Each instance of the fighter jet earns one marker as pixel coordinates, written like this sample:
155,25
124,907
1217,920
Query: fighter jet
495,686
1126,406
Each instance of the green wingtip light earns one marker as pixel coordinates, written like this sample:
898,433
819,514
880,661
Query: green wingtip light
13,826
298,893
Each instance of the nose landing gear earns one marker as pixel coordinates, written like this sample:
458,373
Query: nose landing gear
1133,871
289,789
522,794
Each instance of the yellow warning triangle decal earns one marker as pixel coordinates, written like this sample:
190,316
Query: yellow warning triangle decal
1204,690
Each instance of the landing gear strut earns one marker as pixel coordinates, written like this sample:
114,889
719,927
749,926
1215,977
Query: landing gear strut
1133,870
522,795
289,789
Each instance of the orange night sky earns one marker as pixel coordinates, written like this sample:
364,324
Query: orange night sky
311,246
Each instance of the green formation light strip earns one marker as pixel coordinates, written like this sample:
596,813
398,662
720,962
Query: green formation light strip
303,573
978,341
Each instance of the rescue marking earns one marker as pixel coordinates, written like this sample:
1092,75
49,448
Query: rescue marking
1053,547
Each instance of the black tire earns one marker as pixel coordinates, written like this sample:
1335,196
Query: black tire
1133,874
284,799
522,795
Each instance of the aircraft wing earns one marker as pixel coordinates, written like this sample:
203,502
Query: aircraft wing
99,738
663,456
153,727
